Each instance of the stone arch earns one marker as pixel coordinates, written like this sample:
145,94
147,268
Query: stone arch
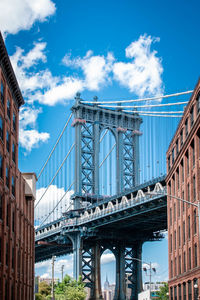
158,187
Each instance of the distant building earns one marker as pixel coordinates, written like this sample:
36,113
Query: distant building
155,287
17,195
183,181
48,280
109,290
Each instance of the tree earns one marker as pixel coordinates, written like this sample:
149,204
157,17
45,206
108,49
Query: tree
70,289
164,292
44,288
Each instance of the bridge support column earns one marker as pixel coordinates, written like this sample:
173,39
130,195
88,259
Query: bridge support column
120,289
96,292
133,269
77,255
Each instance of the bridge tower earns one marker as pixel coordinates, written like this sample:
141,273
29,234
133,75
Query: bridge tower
89,121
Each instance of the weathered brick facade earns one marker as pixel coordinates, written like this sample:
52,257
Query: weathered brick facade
16,209
183,181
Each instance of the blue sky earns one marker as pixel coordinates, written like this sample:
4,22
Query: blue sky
112,49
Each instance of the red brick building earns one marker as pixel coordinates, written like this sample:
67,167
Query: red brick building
183,181
16,195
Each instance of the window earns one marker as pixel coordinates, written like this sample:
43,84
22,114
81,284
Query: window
179,208
13,221
170,215
175,264
7,215
171,242
13,152
7,141
6,254
189,227
198,103
177,147
191,117
169,163
182,168
187,158
8,108
1,166
195,255
183,232
189,290
175,240
13,186
195,221
193,153
189,259
2,93
179,262
172,155
177,176
183,203
171,268
1,128
7,176
174,212
13,255
179,236
188,190
186,127
194,188
1,206
175,293
184,262
0,249
181,137
184,291
179,292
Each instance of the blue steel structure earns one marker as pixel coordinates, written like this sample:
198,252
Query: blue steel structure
121,223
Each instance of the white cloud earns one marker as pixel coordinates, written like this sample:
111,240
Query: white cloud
28,137
47,202
96,69
16,15
44,268
143,74
107,258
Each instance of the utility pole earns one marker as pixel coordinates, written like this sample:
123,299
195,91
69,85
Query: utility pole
52,286
62,268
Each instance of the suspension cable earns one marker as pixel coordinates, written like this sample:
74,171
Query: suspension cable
66,124
138,106
55,174
138,100
156,112
164,116
103,136
107,155
58,204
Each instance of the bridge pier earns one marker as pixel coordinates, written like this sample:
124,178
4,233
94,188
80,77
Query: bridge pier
77,255
120,288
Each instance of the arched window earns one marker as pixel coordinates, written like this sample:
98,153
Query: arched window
1,128
8,108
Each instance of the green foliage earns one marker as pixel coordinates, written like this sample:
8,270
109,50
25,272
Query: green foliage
38,296
70,289
164,292
44,289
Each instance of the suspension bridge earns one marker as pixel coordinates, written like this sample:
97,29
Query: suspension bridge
103,187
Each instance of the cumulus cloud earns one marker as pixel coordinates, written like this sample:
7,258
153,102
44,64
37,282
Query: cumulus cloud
143,74
28,136
45,268
107,258
96,69
47,203
16,15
